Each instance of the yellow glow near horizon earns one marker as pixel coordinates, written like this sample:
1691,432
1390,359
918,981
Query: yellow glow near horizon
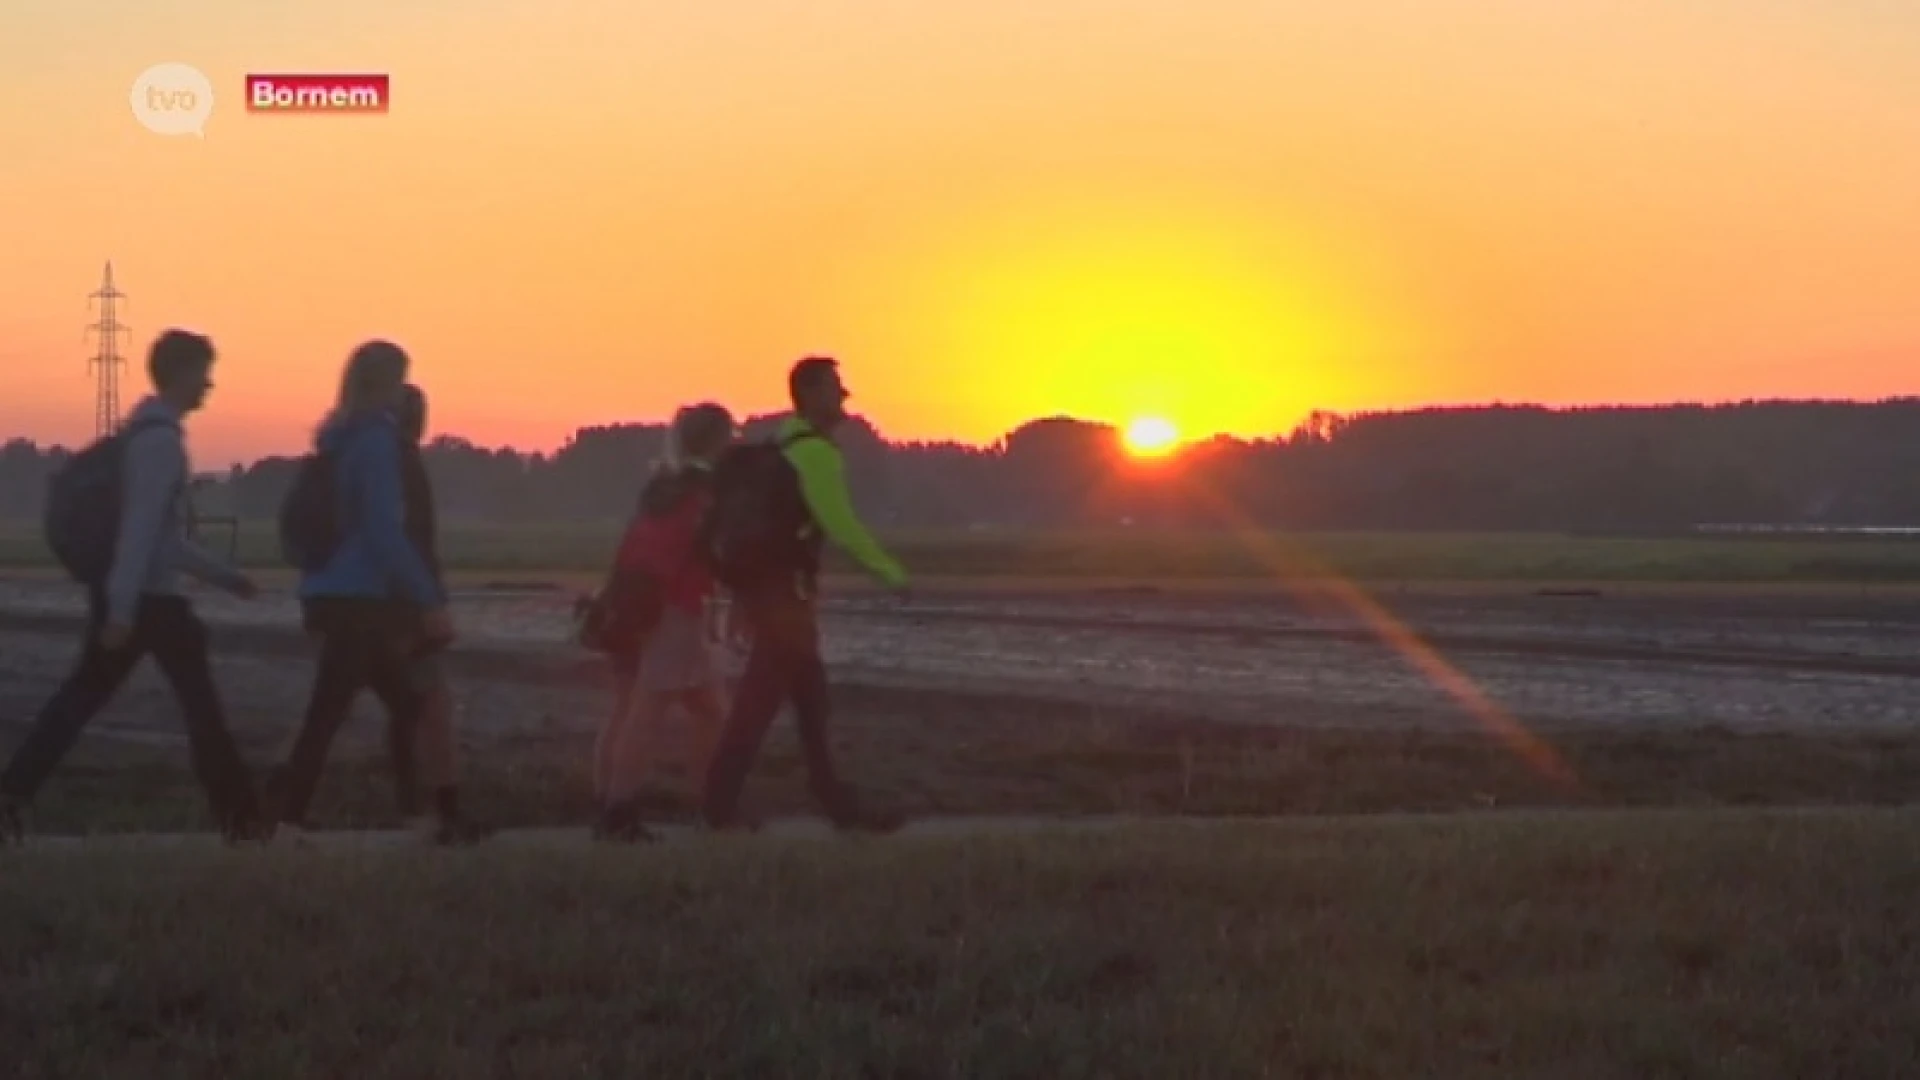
1151,436
1111,312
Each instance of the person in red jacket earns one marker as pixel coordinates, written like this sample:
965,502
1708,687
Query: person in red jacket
667,598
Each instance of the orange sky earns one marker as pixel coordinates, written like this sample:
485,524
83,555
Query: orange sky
1226,212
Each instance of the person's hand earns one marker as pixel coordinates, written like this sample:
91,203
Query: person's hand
115,635
437,626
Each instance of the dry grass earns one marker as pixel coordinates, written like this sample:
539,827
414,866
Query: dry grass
1578,946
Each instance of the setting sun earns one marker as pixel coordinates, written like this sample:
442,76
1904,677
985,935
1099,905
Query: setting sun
1151,436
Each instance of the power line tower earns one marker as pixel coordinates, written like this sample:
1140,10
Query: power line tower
106,361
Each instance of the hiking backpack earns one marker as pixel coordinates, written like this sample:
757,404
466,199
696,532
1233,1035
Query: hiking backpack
617,620
81,520
310,525
752,531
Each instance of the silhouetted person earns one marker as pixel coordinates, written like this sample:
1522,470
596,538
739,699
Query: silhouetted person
784,662
368,633
430,750
673,588
138,609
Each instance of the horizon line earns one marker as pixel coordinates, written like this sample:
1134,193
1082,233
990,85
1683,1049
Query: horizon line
1185,441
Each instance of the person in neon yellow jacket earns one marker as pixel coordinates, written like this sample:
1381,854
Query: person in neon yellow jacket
823,483
784,662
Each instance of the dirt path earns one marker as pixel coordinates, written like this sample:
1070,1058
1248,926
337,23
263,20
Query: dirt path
799,828
1733,662
784,829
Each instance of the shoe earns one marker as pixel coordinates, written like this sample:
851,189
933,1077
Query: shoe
856,819
287,834
736,822
272,801
456,832
247,832
622,825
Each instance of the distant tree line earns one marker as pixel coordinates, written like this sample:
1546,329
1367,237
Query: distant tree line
1611,469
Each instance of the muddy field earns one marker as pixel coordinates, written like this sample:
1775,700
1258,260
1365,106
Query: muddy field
1423,660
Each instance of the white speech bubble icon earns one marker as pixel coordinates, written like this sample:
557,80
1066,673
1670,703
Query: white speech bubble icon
172,99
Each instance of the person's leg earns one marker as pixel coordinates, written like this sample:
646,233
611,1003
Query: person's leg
764,686
707,715
636,745
435,746
403,754
415,692
400,635
813,712
391,675
623,671
179,643
411,688
346,649
95,678
438,749
440,773
631,759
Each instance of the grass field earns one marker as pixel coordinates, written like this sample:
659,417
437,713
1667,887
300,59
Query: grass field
954,761
1145,555
1714,944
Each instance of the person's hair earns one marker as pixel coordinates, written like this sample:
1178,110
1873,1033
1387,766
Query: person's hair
412,413
808,372
698,433
374,373
175,354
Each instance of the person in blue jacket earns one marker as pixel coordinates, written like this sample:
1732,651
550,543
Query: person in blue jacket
376,595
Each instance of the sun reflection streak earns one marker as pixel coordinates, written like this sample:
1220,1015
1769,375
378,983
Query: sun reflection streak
1292,566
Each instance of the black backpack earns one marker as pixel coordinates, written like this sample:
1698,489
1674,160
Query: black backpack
752,534
81,519
310,525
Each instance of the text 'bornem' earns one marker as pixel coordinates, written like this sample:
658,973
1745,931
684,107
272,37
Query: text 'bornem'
318,93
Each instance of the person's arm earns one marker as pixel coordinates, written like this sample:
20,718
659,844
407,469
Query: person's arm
152,466
195,561
188,557
823,481
379,511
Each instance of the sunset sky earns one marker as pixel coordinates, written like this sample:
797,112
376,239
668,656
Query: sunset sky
1224,212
